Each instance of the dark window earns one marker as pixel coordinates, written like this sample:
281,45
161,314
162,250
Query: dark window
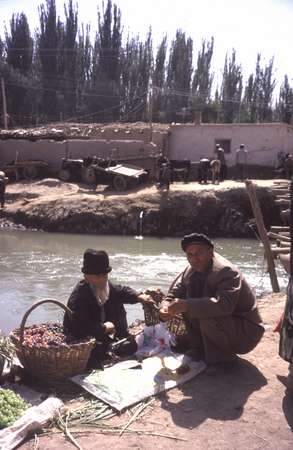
225,144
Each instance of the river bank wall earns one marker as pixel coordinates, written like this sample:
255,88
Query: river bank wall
54,206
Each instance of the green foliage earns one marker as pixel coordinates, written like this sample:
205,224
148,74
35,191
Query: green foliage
60,74
257,102
179,76
231,89
285,102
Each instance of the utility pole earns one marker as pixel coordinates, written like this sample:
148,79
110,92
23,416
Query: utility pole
151,112
4,104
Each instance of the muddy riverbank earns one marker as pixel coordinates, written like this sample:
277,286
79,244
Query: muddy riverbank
55,206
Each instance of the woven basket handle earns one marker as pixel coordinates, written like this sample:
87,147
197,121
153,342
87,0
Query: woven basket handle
35,305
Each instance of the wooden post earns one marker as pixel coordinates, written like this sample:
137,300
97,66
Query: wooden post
263,234
151,105
4,104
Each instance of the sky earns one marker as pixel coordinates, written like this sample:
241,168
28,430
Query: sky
249,26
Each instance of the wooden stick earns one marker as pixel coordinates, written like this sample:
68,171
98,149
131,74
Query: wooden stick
36,442
279,237
68,433
280,250
276,229
116,430
263,234
282,202
135,415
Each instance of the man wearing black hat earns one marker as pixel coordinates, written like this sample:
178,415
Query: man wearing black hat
98,310
217,304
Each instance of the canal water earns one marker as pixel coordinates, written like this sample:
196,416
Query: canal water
36,265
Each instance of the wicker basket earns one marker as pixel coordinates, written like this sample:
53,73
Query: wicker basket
54,362
152,316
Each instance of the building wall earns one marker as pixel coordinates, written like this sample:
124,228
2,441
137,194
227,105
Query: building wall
263,141
49,151
133,151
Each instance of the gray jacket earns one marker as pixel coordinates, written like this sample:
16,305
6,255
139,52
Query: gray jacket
225,292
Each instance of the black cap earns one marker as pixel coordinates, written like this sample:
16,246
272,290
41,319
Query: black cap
95,262
196,238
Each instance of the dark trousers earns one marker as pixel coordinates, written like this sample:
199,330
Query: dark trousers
223,172
2,193
221,338
240,171
103,349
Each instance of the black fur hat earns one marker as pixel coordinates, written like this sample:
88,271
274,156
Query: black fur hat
95,262
196,238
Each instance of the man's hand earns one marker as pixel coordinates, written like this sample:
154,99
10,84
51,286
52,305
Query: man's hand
164,314
109,328
145,298
174,307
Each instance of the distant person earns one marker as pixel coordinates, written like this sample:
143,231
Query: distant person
218,306
241,162
220,153
162,159
215,170
203,170
97,307
165,175
288,166
164,171
2,188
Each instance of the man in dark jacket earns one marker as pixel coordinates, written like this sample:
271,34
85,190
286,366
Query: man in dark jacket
98,310
218,306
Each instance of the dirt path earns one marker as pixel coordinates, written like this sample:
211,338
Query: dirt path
244,409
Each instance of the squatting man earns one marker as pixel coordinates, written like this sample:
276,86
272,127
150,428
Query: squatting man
218,306
97,307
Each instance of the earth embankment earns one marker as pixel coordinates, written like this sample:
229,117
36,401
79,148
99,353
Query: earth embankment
220,211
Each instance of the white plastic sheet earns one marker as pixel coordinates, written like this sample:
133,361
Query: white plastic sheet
32,420
129,382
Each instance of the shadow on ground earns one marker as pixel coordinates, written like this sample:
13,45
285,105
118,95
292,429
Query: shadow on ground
287,403
219,397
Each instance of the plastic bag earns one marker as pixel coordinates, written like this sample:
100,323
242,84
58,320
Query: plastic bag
33,419
154,340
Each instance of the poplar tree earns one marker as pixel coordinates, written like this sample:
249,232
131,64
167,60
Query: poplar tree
259,93
136,75
284,105
179,77
231,90
19,44
19,54
158,83
202,80
48,49
67,61
106,64
84,72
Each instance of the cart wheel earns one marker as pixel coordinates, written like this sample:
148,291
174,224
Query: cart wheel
64,175
89,176
30,172
119,183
